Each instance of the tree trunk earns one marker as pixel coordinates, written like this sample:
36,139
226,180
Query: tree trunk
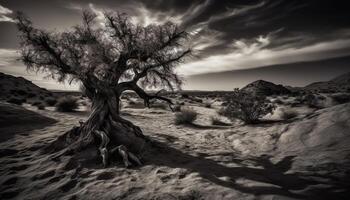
114,136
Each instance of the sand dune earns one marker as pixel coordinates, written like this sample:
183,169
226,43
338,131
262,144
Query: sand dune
305,159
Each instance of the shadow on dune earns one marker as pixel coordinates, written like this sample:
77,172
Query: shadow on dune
16,119
273,175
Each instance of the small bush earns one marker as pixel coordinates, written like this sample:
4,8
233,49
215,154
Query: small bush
41,107
197,100
217,122
66,104
295,104
177,108
186,116
246,107
50,101
311,100
185,96
221,111
207,104
341,98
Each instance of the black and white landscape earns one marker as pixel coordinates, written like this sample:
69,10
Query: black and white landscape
174,100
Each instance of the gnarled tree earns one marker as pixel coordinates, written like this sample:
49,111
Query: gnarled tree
107,57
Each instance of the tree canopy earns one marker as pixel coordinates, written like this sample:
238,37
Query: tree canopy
112,53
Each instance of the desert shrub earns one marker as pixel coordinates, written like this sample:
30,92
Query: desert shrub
185,116
246,107
298,99
288,114
197,100
66,104
50,101
311,100
177,108
185,96
321,97
341,98
17,101
221,111
216,121
41,106
207,104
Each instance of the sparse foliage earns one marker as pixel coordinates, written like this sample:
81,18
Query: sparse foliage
41,107
341,98
177,108
66,104
246,107
207,104
311,100
50,101
185,116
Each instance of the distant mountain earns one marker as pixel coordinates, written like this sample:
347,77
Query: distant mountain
338,84
261,87
297,74
20,88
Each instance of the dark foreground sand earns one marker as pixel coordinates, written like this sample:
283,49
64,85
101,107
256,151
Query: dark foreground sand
308,158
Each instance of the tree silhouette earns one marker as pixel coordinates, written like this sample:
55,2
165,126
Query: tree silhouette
107,57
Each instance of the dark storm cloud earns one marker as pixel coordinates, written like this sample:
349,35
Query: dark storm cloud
229,19
225,34
300,23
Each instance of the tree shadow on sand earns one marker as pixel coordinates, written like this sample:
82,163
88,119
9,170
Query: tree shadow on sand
272,174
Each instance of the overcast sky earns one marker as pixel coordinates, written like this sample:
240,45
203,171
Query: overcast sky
226,35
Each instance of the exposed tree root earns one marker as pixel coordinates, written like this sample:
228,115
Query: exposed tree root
115,139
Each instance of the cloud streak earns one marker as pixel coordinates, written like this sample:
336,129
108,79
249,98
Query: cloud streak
247,55
4,12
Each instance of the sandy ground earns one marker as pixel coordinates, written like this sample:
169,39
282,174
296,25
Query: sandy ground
306,158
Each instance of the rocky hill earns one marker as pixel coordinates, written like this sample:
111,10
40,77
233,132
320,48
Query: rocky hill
261,87
20,90
338,84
